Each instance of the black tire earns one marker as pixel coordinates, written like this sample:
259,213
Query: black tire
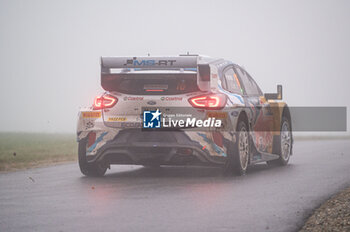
86,168
240,149
282,150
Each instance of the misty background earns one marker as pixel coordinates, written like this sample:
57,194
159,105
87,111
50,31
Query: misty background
50,50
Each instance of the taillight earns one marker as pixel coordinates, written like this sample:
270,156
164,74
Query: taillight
106,101
154,90
210,101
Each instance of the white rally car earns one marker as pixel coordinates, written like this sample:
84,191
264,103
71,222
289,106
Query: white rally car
182,110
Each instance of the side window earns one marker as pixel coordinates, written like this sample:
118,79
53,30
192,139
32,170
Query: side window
223,83
249,84
233,84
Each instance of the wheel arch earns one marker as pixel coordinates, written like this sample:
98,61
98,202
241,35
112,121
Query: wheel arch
281,110
243,116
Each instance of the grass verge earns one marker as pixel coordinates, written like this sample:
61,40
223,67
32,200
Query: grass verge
27,150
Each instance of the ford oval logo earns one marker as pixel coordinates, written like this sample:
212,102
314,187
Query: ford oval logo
152,103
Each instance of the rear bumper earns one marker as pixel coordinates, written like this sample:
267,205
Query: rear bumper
164,148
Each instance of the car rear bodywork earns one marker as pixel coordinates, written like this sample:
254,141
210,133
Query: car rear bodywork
115,135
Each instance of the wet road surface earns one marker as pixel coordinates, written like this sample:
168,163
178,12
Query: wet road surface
133,198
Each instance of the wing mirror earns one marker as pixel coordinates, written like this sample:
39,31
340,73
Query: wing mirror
274,96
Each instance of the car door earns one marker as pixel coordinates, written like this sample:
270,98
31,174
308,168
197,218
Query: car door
261,123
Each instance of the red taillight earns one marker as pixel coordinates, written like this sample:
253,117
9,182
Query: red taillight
154,90
210,101
106,101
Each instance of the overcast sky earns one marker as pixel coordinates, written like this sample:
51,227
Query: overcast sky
49,50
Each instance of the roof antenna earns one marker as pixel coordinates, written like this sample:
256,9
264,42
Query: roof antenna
188,53
148,54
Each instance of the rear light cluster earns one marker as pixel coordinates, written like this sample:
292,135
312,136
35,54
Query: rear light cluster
103,102
209,101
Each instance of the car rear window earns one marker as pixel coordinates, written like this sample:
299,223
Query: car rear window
150,84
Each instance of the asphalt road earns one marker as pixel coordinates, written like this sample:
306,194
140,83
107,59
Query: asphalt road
130,198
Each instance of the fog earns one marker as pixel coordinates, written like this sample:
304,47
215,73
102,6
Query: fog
49,50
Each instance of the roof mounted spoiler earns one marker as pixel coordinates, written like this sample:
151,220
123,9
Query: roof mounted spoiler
147,62
156,63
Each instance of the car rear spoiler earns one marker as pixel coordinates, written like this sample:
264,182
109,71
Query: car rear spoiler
156,63
147,62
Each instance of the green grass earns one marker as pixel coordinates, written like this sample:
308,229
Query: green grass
26,150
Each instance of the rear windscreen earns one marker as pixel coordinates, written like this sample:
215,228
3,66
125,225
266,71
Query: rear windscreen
150,84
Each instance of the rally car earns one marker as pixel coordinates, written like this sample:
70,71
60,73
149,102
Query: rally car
182,110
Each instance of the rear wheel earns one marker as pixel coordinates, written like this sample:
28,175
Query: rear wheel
238,154
285,144
94,169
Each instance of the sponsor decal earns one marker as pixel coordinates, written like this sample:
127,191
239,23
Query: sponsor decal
171,98
153,119
216,114
133,98
117,119
89,125
130,124
91,114
151,103
235,113
134,61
